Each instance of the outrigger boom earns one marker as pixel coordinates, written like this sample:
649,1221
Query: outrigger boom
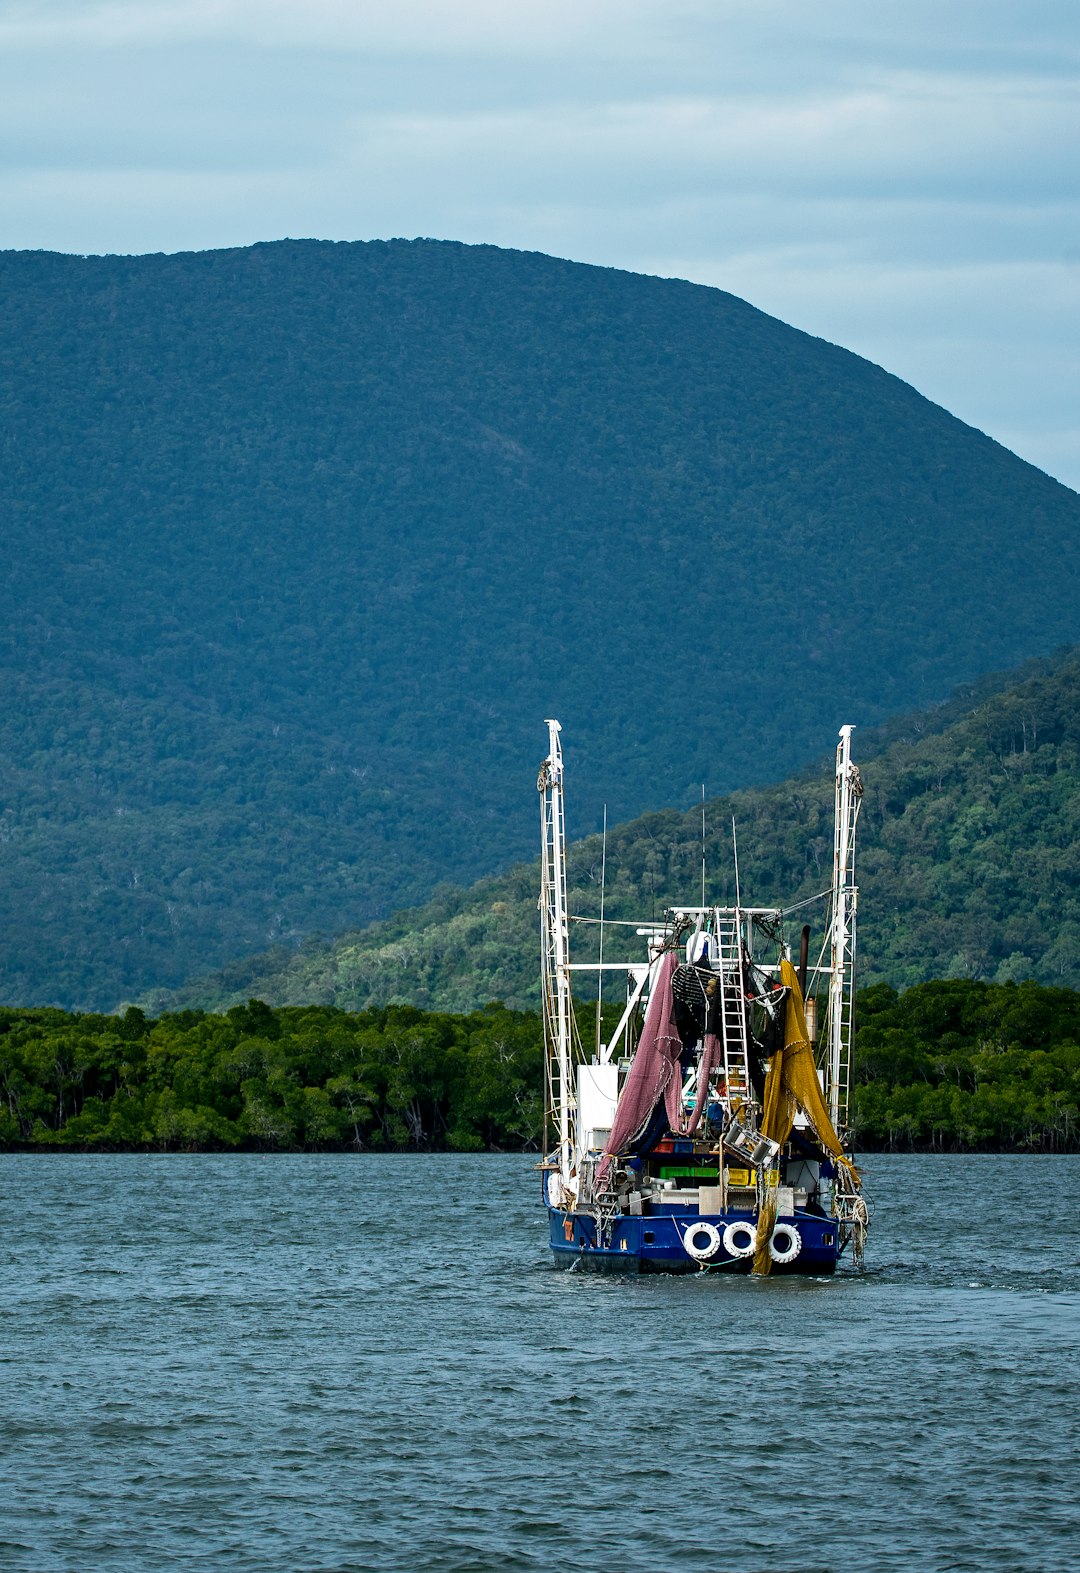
710,1130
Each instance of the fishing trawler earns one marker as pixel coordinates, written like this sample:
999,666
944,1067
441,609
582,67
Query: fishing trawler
710,1131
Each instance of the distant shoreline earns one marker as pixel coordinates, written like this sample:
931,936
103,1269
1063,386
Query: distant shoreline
953,1066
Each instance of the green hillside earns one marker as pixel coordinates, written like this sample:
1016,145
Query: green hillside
968,866
304,540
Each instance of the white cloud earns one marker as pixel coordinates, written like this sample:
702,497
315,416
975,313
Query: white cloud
903,135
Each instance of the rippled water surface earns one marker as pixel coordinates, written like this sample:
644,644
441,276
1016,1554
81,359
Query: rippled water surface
337,1363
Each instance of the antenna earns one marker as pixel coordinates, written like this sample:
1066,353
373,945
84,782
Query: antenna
735,849
703,843
600,971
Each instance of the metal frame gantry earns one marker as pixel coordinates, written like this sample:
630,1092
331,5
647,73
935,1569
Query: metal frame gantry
555,950
845,894
556,966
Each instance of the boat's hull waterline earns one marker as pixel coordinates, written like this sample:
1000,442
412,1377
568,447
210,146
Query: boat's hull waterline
709,1133
657,1244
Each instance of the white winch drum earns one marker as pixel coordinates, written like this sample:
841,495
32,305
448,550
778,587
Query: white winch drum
698,942
739,1239
701,1241
786,1243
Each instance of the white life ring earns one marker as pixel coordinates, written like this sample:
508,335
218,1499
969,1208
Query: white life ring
739,1239
786,1243
700,1249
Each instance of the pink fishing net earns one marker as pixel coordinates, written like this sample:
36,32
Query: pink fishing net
680,1123
655,1072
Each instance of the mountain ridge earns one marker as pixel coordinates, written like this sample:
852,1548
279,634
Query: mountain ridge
303,536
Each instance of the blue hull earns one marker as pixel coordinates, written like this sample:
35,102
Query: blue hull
654,1244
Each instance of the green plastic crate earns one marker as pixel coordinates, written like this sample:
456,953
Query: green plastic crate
692,1172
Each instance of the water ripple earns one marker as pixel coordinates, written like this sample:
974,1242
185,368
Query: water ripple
322,1364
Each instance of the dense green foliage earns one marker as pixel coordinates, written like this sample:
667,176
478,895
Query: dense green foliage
304,540
955,1065
258,1078
963,1066
968,865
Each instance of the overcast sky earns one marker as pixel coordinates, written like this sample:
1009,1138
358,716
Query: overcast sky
900,178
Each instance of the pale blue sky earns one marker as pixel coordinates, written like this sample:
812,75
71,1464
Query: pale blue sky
901,179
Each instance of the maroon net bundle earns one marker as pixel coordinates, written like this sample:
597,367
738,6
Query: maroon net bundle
655,1072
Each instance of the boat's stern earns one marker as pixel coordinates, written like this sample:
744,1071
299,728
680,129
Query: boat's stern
667,1242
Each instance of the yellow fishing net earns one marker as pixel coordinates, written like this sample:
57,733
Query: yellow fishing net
790,1085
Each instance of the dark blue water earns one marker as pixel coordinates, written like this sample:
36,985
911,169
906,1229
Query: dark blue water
367,1363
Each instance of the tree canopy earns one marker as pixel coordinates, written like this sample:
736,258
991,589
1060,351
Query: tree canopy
955,1065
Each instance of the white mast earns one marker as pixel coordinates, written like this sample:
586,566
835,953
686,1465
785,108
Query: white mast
849,791
555,945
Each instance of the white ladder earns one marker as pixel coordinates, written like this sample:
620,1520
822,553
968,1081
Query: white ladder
733,1034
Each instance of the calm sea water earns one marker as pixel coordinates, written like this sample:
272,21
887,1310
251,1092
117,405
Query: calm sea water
335,1363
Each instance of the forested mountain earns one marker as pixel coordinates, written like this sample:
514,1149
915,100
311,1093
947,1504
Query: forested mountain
303,541
968,866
